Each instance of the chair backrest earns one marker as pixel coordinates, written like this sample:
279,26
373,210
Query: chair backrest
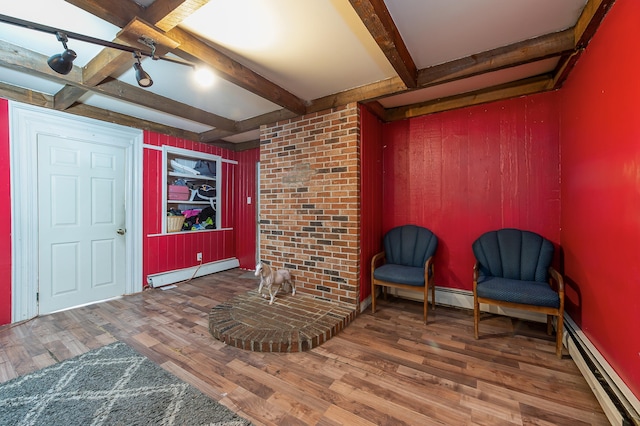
513,254
409,245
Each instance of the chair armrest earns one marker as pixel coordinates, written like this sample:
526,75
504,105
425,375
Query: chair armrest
428,262
377,259
476,267
429,267
557,277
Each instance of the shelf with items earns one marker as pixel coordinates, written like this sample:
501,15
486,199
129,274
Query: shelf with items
191,182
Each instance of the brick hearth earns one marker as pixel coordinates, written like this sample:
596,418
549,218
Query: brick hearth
292,324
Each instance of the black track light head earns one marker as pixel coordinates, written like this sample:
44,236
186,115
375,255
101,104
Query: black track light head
62,63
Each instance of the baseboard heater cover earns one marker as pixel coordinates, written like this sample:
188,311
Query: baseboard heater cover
171,277
618,402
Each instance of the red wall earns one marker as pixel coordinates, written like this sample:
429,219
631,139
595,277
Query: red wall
461,173
5,223
600,143
178,250
371,211
246,214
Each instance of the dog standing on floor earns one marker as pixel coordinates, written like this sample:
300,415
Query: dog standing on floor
272,280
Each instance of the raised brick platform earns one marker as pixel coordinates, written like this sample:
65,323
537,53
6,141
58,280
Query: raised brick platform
292,324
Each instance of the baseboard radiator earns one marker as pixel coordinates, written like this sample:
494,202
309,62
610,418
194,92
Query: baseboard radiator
619,404
178,275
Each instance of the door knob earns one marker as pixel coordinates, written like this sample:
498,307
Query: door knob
121,231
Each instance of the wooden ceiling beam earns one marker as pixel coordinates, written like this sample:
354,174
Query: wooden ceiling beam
368,92
106,63
128,121
589,21
235,146
67,96
515,89
167,14
117,12
520,53
587,25
376,17
16,57
31,97
130,93
26,96
193,49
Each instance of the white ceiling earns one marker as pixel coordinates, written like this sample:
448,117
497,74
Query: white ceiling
311,49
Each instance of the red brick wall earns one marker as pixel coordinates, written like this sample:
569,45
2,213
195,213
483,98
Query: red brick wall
310,203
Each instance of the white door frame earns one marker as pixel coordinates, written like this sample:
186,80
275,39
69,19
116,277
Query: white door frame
26,122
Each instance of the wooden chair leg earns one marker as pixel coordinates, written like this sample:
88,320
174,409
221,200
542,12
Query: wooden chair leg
373,298
425,303
559,333
476,316
426,311
549,325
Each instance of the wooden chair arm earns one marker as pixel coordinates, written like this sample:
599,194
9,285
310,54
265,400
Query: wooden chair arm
557,277
429,268
476,268
376,259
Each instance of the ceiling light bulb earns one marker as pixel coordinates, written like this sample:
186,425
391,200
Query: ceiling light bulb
204,76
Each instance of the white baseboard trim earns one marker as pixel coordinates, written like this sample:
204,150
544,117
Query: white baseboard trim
618,402
620,405
171,277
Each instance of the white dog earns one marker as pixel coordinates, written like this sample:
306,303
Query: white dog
271,281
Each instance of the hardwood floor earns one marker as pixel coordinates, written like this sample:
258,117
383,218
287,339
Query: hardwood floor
383,369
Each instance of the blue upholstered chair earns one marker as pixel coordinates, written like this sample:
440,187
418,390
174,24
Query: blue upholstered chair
513,269
405,263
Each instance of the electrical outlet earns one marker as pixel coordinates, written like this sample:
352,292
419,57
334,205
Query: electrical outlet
199,257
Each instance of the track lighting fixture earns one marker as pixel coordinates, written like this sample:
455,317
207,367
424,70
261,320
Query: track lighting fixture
62,63
144,79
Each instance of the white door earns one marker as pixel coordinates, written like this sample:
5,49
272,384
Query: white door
81,222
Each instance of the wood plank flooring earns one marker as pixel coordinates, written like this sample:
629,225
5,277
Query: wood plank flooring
383,369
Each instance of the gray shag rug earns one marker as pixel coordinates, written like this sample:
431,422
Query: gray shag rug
112,385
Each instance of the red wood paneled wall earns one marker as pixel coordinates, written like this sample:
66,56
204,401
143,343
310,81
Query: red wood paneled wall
178,250
600,142
468,171
5,223
247,218
371,207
